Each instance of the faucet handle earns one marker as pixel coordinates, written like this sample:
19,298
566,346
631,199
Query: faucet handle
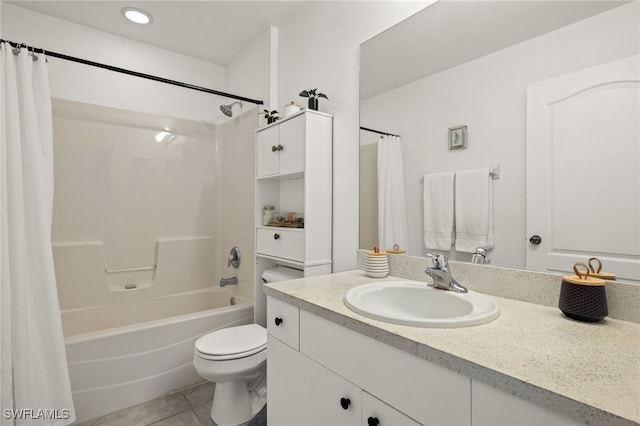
440,261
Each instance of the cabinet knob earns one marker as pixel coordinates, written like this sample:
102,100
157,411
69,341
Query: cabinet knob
280,147
535,240
276,236
278,321
373,421
345,402
274,148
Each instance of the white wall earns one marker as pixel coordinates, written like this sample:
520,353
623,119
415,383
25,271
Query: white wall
84,83
489,96
249,73
319,48
320,52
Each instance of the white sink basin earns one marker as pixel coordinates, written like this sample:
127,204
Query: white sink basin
415,303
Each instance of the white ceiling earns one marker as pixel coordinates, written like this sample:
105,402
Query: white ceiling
214,31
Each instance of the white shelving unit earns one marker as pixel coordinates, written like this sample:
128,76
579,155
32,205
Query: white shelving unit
294,174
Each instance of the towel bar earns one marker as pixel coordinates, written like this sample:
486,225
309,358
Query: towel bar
494,171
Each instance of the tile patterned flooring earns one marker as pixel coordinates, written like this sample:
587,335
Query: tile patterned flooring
186,407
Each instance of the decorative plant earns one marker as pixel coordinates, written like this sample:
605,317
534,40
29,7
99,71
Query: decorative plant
313,96
271,116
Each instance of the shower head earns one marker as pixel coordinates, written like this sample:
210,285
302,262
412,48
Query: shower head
226,109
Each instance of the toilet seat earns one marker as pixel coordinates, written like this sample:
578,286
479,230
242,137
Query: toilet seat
232,343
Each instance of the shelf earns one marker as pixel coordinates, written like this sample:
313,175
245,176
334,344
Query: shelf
288,176
282,261
288,228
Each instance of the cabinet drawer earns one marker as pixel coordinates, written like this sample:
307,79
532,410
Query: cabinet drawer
373,409
283,322
424,391
279,242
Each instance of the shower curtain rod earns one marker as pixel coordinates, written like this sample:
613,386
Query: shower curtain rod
378,132
130,72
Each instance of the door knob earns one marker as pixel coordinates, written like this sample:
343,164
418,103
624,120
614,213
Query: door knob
535,240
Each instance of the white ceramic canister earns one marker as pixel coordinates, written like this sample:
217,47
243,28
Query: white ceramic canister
291,108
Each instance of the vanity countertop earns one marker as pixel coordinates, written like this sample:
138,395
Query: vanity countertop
589,371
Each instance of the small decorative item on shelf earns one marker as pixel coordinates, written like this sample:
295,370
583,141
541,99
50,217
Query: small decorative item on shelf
376,265
288,220
271,116
268,215
313,96
291,109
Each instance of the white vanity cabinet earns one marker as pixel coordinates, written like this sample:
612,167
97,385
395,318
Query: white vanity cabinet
492,407
328,374
334,376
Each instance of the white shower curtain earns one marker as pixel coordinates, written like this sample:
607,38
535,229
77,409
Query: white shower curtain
392,208
34,382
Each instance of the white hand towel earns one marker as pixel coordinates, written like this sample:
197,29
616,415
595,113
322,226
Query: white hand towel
474,210
438,210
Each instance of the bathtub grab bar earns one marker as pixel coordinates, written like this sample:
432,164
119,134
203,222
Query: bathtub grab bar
134,269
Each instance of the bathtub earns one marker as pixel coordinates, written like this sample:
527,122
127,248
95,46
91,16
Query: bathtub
122,355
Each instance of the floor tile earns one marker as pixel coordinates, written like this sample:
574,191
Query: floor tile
199,394
147,412
188,418
204,414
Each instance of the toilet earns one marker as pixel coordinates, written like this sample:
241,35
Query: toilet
235,358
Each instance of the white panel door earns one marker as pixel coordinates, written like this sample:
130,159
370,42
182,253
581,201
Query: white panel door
583,176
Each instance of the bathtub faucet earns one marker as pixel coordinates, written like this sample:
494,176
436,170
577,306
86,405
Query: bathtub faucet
228,281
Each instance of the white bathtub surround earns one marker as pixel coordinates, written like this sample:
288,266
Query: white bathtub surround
584,371
33,363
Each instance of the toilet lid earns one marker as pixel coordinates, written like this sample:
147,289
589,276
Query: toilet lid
240,341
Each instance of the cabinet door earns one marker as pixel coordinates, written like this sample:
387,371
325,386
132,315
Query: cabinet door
292,141
283,322
302,392
377,413
267,153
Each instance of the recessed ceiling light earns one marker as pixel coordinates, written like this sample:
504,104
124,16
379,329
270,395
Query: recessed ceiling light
138,16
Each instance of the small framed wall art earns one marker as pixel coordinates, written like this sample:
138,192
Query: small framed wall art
457,137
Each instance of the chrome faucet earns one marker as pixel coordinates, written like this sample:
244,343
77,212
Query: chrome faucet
479,256
441,275
228,281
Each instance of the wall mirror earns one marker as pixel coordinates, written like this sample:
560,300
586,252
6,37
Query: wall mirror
487,65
